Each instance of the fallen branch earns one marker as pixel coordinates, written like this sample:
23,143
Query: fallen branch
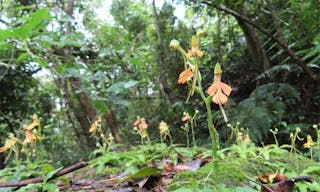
267,188
40,179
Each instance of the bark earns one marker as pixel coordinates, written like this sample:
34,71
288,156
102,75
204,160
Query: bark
113,125
71,113
84,110
89,110
255,48
161,58
2,159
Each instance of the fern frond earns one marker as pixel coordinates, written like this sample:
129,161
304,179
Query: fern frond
278,69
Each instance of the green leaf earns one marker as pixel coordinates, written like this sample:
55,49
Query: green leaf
50,187
121,86
30,187
51,174
33,23
311,169
301,186
100,105
183,190
314,186
40,62
244,189
47,168
22,57
145,172
6,34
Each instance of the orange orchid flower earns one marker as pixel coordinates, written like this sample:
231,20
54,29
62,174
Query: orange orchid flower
218,90
93,127
35,123
9,143
141,123
194,48
185,76
28,130
29,137
185,116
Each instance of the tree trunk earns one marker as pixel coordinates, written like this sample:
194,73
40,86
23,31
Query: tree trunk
256,51
69,102
2,161
113,125
161,58
86,113
84,110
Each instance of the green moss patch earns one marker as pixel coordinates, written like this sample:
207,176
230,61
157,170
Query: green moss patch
233,169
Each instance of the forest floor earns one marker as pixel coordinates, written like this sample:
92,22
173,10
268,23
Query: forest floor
161,168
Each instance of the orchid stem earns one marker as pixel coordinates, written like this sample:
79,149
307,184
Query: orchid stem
212,129
223,113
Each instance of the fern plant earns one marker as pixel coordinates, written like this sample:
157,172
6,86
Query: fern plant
264,108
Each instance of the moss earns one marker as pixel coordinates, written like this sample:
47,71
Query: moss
233,169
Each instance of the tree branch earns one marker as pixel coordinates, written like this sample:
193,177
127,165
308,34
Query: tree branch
40,179
283,44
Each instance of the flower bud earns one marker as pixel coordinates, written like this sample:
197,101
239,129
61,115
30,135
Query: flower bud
217,69
200,33
174,44
194,42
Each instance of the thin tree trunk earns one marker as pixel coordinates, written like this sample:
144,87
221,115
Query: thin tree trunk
84,110
71,114
113,125
256,51
2,161
161,58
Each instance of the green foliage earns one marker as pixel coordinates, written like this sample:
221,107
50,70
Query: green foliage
134,158
239,162
39,186
25,171
145,172
265,108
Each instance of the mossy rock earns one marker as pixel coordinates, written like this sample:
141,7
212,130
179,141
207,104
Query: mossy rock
234,169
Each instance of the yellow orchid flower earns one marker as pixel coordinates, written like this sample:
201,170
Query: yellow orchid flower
309,142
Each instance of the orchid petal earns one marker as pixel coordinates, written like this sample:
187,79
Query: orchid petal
225,88
213,89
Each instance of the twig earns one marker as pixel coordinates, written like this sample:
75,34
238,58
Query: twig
40,179
262,185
